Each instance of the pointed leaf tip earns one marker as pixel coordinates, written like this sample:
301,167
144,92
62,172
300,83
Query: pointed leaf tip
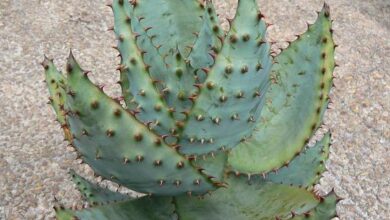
71,56
326,9
46,62
45,57
72,63
333,193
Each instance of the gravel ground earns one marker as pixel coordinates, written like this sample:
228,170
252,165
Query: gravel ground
34,159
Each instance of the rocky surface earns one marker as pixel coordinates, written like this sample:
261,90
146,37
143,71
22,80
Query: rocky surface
34,159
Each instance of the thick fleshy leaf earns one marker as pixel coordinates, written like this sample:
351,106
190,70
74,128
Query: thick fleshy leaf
247,202
209,41
306,169
169,29
212,165
230,100
138,88
120,148
55,83
170,22
95,194
166,57
145,208
325,210
185,73
298,95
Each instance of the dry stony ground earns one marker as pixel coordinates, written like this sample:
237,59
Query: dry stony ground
34,159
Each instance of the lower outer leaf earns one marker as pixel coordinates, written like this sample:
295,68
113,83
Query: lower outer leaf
325,210
95,194
243,201
145,208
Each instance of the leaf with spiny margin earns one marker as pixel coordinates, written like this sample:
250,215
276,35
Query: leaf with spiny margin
157,66
179,86
209,41
168,66
120,148
95,194
119,27
150,55
172,23
55,82
305,170
325,210
212,165
298,95
247,202
171,74
156,208
137,87
231,99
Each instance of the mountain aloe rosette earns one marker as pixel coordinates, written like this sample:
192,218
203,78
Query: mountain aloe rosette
211,126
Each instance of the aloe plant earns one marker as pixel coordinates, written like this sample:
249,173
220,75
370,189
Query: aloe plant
212,125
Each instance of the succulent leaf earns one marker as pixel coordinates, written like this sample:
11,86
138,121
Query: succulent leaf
120,148
95,194
153,60
174,74
326,209
178,86
212,165
297,97
138,88
247,202
169,67
239,201
208,43
306,169
230,101
158,208
56,82
172,23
